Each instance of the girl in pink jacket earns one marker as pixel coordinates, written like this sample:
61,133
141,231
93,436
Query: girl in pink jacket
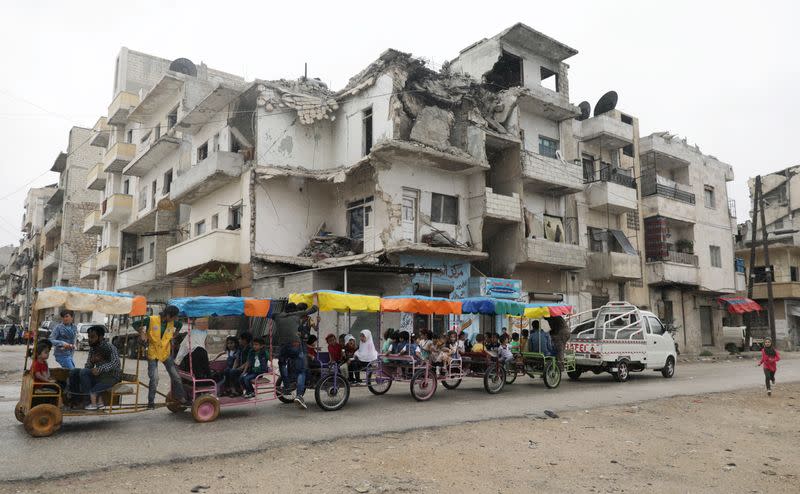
769,362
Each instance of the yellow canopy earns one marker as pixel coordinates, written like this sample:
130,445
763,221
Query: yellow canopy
536,312
329,300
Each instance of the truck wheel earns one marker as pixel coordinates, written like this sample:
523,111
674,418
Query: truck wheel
574,375
669,368
622,374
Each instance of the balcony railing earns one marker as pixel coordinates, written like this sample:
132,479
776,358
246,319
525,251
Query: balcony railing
678,257
652,184
617,176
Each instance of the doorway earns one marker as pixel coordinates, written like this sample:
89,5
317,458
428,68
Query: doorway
410,215
706,326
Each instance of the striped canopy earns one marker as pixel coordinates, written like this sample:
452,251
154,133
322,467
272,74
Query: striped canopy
84,299
492,306
221,306
740,305
330,300
420,305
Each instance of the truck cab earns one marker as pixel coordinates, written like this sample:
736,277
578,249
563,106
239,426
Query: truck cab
621,339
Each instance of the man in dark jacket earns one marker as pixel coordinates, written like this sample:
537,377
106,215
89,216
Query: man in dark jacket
289,326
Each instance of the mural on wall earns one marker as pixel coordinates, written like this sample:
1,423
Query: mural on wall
454,277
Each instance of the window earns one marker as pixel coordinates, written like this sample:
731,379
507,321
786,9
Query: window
215,222
505,73
172,118
215,142
628,150
199,228
142,198
126,186
139,256
708,196
626,119
129,137
153,189
548,147
152,250
235,217
716,258
588,168
236,146
793,273
596,237
444,209
778,225
409,212
156,132
760,274
549,79
359,217
167,182
655,325
202,152
366,117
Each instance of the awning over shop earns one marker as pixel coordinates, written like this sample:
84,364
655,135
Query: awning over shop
740,305
420,305
492,306
541,310
330,300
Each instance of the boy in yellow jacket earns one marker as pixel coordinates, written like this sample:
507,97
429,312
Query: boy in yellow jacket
158,332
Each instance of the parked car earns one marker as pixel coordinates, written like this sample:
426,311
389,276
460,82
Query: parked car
82,336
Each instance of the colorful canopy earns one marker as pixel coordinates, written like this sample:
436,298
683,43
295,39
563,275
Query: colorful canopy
420,305
221,306
740,305
540,310
84,299
330,300
492,306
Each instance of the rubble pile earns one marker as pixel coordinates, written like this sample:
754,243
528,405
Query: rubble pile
327,246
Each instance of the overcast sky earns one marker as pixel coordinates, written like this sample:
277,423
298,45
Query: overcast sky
724,75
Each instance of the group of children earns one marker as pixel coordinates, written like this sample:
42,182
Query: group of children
246,359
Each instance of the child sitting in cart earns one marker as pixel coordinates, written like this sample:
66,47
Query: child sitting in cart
493,342
514,344
463,343
504,353
424,345
478,347
231,356
40,369
334,348
257,363
440,352
389,339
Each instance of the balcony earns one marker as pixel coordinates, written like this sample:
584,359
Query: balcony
96,179
608,132
89,269
117,156
135,276
153,155
616,266
102,132
107,259
116,208
214,102
93,223
544,253
614,193
218,169
214,246
544,174
668,272
52,227
51,259
121,107
659,205
547,103
501,207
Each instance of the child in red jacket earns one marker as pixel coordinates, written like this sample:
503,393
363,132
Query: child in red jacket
769,361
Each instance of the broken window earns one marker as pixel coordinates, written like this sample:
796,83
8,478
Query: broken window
588,168
358,217
215,221
142,198
626,119
596,238
129,137
760,274
547,146
172,118
199,228
153,189
793,273
444,209
235,217
553,228
366,118
628,150
152,251
708,196
202,152
506,72
167,182
549,79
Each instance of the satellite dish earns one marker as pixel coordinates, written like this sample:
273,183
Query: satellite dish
606,103
184,66
586,110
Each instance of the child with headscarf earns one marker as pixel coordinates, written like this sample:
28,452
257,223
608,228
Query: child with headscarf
769,361
350,349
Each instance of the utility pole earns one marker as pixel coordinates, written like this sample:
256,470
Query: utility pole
751,277
768,266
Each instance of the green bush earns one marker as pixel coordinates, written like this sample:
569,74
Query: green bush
706,353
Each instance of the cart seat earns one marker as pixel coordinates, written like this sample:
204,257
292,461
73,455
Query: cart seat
123,389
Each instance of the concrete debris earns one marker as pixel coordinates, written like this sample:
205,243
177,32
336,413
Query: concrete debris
439,239
327,246
310,98
432,127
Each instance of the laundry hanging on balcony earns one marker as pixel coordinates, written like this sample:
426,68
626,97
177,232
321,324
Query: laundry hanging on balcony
740,305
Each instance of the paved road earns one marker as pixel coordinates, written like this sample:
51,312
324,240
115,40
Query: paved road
158,436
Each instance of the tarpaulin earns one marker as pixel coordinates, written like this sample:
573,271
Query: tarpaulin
330,300
486,305
221,306
84,299
740,305
420,305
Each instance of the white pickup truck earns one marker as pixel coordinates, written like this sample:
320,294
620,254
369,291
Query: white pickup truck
620,339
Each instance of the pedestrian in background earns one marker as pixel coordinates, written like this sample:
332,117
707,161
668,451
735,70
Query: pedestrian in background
769,362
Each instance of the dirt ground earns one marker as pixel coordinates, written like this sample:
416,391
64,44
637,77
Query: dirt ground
730,442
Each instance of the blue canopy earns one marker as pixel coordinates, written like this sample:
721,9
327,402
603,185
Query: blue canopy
491,306
221,306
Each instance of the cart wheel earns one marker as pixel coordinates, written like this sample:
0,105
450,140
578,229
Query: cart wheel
205,409
494,379
378,382
669,368
622,373
574,375
552,375
511,376
173,405
423,385
18,413
42,420
451,383
279,392
332,393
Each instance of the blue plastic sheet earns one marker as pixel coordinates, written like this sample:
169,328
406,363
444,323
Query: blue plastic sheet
209,306
492,306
